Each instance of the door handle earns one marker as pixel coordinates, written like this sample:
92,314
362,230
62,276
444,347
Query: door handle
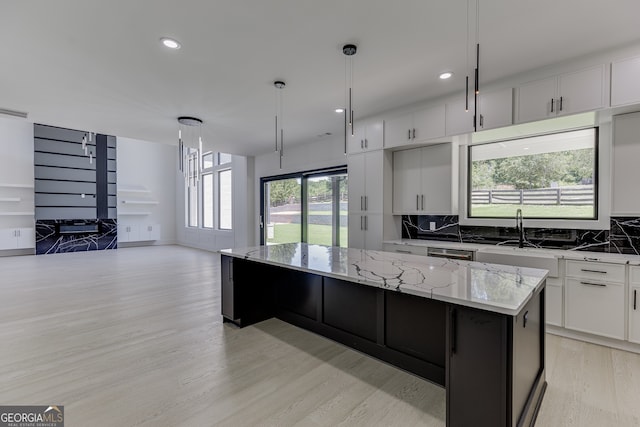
414,133
602,285
422,202
560,109
481,120
409,134
453,332
593,271
417,201
366,203
361,203
552,103
635,292
366,223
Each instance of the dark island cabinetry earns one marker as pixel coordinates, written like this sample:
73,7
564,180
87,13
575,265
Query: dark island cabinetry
492,364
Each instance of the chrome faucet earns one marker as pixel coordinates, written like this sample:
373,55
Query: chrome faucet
520,228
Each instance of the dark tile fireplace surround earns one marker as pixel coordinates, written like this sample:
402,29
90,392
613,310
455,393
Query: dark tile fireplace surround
623,235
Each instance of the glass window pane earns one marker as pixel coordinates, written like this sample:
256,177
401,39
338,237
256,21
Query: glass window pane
225,199
207,160
192,205
549,176
207,200
224,158
283,211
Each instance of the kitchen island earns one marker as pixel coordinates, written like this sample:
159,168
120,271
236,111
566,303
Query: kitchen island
477,329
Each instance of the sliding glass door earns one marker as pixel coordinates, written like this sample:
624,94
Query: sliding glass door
282,211
305,207
326,210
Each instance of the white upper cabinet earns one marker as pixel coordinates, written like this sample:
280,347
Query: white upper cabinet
626,174
495,109
365,182
459,121
568,93
625,84
419,126
429,123
423,180
367,136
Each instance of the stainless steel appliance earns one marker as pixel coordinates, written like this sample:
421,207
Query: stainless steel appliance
461,254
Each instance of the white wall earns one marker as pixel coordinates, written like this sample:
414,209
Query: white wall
324,153
148,165
16,167
242,234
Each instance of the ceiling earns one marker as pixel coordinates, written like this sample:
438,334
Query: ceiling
98,65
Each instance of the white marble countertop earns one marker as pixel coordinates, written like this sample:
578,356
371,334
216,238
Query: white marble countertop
497,288
559,253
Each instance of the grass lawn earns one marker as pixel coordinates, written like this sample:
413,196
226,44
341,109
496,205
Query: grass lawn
532,211
318,234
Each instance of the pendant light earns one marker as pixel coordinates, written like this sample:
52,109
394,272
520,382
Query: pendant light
477,71
279,129
189,163
349,50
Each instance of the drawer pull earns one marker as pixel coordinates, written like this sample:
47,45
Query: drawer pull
403,252
593,271
602,285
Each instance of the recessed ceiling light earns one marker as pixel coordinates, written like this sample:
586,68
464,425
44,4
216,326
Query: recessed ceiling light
170,43
446,75
339,110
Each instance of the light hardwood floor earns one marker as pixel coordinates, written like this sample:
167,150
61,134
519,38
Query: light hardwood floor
134,337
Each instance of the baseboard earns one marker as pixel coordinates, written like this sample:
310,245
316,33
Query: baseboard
17,252
594,339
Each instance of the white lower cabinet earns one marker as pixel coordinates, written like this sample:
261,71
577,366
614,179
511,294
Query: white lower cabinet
634,304
127,233
17,238
131,232
554,301
595,307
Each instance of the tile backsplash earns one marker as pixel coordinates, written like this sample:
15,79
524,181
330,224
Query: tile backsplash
622,237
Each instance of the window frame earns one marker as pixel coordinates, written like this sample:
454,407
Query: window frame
198,182
602,196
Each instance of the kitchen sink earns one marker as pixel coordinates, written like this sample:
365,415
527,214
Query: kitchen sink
519,257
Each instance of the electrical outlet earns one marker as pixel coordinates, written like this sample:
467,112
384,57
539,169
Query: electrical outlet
432,226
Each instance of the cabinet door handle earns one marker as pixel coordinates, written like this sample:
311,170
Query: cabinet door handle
414,133
586,270
230,269
361,144
481,120
635,292
366,143
361,203
409,134
560,109
366,203
361,222
602,285
422,201
417,202
552,102
366,223
453,332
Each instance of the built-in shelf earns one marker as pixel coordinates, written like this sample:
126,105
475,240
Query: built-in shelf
140,202
133,190
10,199
133,213
17,213
16,185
